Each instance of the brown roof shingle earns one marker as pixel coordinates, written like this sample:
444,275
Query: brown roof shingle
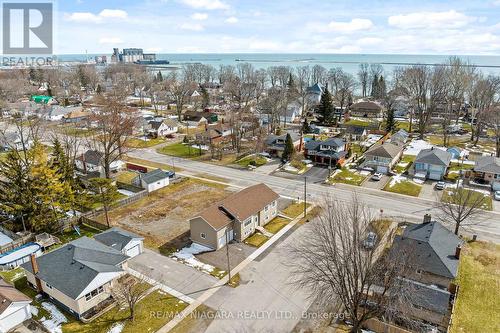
9,294
241,205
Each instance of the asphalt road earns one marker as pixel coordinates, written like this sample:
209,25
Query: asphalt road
403,207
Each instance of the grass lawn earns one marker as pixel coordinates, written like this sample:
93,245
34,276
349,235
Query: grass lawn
452,140
276,224
254,160
71,235
75,131
453,172
152,312
3,156
138,143
477,303
257,239
359,122
149,164
203,316
295,209
406,187
487,203
12,275
346,176
180,150
404,164
381,226
126,176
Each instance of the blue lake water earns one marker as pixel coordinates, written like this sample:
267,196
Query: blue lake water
349,62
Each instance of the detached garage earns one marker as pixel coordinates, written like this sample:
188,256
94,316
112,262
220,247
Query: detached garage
15,307
124,241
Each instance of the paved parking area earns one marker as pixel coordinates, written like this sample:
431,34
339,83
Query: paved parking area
237,253
316,174
429,191
180,277
377,185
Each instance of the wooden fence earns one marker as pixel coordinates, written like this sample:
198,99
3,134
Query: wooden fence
16,243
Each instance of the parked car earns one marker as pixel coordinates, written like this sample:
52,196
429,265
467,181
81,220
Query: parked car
496,195
370,240
377,176
440,185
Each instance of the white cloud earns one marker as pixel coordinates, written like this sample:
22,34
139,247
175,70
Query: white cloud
113,13
356,24
206,4
199,16
192,26
105,14
232,20
110,40
440,20
496,3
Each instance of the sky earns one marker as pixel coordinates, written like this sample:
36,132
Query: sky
279,26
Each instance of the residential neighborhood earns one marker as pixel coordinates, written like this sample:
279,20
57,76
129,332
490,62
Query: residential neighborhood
276,189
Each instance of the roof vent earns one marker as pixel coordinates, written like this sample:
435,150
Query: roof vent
72,262
82,267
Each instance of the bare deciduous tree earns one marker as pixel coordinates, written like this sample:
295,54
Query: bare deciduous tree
461,206
333,265
114,124
364,77
128,291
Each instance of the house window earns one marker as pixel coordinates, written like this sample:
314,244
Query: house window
94,293
247,222
203,235
266,209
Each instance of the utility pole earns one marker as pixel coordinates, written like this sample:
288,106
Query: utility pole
227,255
305,196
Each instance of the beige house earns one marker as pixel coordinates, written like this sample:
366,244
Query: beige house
78,276
234,218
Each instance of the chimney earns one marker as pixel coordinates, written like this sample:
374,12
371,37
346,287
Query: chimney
34,266
427,218
458,249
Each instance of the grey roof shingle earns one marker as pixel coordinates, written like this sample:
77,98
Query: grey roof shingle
428,297
71,268
92,157
154,176
387,150
434,156
432,247
116,238
488,164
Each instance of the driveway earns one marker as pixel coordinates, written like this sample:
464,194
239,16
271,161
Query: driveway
237,253
180,277
374,184
429,191
316,174
496,205
265,301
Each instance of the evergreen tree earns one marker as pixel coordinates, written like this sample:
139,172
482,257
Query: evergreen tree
306,128
105,193
159,77
205,97
382,89
32,190
375,87
390,122
326,109
289,149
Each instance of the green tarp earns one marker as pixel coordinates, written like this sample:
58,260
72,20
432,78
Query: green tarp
41,99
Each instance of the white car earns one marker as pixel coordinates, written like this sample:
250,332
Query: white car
440,185
377,176
370,240
496,195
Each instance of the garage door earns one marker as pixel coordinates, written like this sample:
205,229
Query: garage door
134,251
382,169
495,186
435,175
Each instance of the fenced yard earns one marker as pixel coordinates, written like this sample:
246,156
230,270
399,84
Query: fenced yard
163,215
